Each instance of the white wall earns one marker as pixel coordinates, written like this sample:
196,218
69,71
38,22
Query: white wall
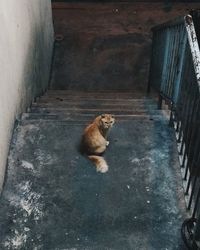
26,43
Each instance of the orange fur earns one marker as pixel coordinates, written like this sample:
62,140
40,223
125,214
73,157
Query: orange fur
94,140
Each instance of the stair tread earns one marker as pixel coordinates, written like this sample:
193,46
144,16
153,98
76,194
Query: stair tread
82,99
76,92
95,103
57,98
91,116
99,95
87,120
82,109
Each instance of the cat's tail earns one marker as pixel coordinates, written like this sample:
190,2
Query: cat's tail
100,163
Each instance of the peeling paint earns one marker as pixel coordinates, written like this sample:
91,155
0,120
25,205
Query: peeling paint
194,46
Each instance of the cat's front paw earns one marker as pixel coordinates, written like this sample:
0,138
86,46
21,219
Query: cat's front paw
107,143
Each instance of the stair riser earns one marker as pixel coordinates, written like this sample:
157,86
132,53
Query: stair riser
87,116
108,100
92,93
94,102
82,101
84,123
95,112
97,104
91,109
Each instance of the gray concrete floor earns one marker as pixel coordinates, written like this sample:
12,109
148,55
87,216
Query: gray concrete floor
54,199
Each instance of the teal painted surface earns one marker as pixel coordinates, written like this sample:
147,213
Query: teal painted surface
169,58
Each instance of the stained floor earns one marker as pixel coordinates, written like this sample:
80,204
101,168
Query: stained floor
53,197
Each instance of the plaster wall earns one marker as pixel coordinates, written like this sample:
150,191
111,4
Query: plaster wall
26,44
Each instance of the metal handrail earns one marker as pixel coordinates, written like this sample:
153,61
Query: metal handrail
190,38
169,41
194,46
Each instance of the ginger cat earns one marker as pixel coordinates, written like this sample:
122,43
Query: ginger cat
94,140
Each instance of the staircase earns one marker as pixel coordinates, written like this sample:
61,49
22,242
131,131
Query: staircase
84,106
53,197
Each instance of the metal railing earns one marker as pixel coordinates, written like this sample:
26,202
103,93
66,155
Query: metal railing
175,74
169,43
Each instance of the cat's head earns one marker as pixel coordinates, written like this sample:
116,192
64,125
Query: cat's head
107,121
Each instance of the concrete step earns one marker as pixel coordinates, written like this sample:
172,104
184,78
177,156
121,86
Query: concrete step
93,102
86,101
98,112
83,107
113,110
84,121
74,103
94,93
76,96
90,116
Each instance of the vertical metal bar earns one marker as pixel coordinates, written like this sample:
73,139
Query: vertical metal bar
182,55
197,231
196,204
165,60
189,117
195,159
185,102
168,70
150,81
174,61
193,188
177,126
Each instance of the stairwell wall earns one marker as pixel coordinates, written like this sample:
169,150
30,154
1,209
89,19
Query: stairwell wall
26,45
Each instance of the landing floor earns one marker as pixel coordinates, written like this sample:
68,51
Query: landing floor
54,199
